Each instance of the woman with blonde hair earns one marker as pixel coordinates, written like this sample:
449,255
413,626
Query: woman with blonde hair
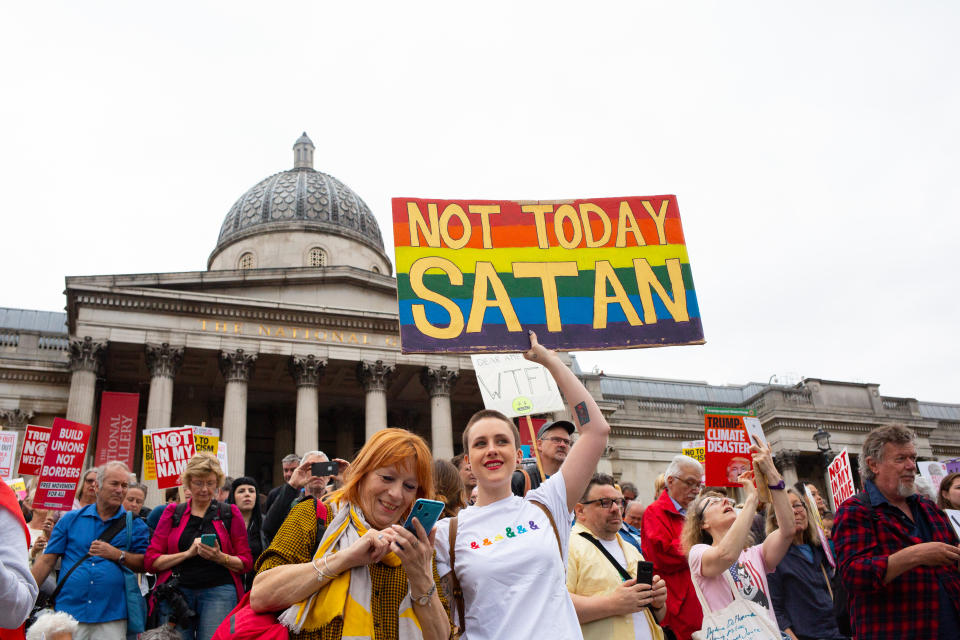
209,576
359,573
717,540
800,585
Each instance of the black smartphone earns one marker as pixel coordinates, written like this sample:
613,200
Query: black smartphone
324,468
644,572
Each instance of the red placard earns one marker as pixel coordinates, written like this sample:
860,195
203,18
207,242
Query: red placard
116,432
841,479
727,449
172,448
34,448
62,465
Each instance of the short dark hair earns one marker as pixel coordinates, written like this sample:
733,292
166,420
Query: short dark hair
598,478
457,459
489,413
628,486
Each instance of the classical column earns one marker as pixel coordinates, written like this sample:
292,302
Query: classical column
163,361
86,357
236,366
375,377
307,371
786,461
438,382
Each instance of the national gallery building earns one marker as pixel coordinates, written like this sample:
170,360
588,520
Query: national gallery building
289,342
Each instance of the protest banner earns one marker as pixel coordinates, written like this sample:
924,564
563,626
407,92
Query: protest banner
841,479
515,386
815,514
117,429
8,453
204,439
727,448
222,457
149,465
934,472
606,273
35,441
18,485
172,448
953,465
62,464
696,449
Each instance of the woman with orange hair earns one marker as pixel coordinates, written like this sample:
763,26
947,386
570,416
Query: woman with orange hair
358,573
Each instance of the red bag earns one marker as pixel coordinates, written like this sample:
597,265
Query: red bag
244,623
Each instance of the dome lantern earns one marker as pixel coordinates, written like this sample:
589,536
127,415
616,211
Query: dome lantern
303,152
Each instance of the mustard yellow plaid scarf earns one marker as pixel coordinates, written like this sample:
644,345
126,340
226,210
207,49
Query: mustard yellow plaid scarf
347,595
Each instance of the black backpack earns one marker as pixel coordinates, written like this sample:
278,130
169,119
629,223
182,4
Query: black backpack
223,513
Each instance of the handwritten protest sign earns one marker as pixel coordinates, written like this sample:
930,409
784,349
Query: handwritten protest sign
117,429
515,386
19,487
8,452
934,472
475,275
34,448
727,447
841,479
62,463
172,448
696,449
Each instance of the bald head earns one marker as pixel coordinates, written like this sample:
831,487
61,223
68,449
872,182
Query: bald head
633,515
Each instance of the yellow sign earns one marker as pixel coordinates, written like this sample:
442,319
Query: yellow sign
206,443
149,465
695,449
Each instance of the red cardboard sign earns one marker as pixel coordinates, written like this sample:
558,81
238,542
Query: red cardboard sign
841,479
62,465
34,448
116,433
172,448
727,449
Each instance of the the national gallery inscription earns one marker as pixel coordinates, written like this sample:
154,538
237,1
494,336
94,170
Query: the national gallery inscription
337,336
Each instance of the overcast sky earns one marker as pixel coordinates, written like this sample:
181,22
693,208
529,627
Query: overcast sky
813,148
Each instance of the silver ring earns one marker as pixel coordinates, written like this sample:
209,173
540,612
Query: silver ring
380,537
415,543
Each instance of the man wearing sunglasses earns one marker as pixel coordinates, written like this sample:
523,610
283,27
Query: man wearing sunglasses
602,572
553,443
662,524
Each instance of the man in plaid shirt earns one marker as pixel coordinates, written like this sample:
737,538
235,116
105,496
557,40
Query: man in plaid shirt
898,555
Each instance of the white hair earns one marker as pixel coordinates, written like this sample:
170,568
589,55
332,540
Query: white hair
315,453
106,466
685,462
51,622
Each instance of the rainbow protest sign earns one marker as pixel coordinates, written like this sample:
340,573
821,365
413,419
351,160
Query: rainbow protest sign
607,273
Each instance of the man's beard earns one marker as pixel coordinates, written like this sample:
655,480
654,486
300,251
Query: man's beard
906,488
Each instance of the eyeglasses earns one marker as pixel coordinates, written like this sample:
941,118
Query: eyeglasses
687,481
711,500
559,440
798,507
605,503
196,484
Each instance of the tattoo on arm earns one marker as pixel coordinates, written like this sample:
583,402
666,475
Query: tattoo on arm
582,414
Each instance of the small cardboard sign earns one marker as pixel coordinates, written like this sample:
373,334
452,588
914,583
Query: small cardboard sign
696,449
815,514
35,441
514,386
8,453
18,485
954,516
222,457
172,448
62,465
727,447
841,479
934,472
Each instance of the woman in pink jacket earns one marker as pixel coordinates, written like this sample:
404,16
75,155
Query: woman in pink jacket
200,549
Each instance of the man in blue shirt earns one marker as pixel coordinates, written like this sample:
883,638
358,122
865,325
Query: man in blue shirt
94,592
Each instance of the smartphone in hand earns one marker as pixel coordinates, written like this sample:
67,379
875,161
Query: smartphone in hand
427,512
209,539
644,572
324,469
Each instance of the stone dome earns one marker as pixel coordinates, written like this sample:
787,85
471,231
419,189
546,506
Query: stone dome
300,199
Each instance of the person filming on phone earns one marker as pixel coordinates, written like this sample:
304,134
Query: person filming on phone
302,485
610,600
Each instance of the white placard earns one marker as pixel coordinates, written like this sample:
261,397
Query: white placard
954,516
8,450
222,457
206,431
514,386
754,429
934,472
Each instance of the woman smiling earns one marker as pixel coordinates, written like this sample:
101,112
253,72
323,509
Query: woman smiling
360,574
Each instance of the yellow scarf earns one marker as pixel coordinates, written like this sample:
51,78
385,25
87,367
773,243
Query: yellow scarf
347,595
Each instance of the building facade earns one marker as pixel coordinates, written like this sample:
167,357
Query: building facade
289,342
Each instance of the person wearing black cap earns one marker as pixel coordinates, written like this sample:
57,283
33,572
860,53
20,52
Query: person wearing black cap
553,443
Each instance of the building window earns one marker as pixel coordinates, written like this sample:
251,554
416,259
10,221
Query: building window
317,257
375,269
245,261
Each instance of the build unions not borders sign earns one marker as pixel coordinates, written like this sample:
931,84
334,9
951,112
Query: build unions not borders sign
606,273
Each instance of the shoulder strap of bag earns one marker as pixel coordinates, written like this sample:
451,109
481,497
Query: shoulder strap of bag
526,480
623,572
129,527
178,514
108,534
457,591
553,524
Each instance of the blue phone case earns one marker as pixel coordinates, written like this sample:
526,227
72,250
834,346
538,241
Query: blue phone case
427,512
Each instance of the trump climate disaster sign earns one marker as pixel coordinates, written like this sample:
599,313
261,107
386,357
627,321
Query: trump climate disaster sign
606,273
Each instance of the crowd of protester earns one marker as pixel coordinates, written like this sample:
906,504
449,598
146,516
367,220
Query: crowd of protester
555,550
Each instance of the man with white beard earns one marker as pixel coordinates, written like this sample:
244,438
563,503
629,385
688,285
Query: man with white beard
897,553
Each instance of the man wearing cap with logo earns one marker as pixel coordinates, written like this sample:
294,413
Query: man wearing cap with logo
553,443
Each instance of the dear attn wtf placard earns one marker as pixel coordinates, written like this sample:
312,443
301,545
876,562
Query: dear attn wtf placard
607,273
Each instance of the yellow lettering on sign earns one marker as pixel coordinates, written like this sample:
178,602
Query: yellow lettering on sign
485,211
658,218
539,212
450,211
548,273
605,274
627,223
416,273
567,212
486,278
586,209
647,281
431,230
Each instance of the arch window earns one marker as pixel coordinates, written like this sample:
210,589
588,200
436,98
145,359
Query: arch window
375,269
317,257
245,261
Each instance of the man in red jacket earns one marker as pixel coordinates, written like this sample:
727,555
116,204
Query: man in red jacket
662,525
